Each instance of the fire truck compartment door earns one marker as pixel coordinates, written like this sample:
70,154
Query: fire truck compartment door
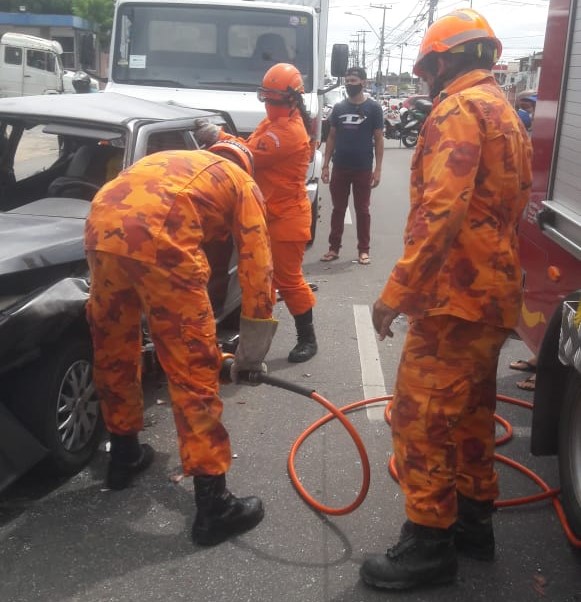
562,225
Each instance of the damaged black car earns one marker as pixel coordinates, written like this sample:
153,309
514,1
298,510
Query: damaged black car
55,153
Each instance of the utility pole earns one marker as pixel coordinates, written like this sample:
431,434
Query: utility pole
400,63
355,52
363,32
378,82
433,6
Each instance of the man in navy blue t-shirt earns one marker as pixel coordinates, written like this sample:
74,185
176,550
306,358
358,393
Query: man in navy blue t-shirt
356,132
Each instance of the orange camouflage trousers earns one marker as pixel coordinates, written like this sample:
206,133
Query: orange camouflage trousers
442,417
288,278
182,328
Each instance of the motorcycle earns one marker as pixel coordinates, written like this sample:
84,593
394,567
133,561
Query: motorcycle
394,129
406,127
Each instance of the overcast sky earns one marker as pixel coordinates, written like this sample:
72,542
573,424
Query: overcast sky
520,25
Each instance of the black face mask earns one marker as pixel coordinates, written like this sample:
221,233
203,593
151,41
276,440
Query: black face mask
353,89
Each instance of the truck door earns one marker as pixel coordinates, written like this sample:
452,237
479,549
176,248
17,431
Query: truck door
40,73
11,68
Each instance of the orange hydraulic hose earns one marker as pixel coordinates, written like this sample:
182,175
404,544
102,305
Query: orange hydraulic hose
339,413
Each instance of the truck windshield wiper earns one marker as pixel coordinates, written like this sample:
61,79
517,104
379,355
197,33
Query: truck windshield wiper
165,83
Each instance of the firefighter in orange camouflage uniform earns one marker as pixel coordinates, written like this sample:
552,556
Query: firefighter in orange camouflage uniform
459,283
144,238
282,151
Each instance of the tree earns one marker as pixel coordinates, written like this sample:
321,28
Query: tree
99,12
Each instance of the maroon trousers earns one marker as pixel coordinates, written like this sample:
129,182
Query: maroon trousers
342,181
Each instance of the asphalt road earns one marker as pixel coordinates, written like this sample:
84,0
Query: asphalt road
72,541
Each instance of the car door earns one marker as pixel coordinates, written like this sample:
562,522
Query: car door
40,75
223,288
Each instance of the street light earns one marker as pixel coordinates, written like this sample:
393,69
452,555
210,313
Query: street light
368,23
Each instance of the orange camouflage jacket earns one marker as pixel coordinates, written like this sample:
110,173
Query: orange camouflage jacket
282,153
162,209
470,181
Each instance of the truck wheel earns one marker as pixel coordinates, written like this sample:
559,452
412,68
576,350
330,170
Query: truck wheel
56,400
570,453
314,218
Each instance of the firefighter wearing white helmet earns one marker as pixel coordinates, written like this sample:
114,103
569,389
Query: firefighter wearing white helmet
459,282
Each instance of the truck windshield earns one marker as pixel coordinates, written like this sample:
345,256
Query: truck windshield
208,47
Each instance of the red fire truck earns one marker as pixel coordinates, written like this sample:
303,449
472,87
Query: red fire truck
550,238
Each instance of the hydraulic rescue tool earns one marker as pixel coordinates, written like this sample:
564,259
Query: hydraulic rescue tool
258,377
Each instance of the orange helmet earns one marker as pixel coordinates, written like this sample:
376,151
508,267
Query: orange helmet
280,84
235,152
453,31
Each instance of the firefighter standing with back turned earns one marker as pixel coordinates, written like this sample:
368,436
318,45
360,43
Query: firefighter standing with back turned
459,282
144,239
282,150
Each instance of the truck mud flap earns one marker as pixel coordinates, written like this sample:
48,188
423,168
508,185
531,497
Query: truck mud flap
550,389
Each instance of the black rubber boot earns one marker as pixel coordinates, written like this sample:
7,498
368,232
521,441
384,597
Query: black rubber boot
220,513
128,459
306,346
473,531
423,556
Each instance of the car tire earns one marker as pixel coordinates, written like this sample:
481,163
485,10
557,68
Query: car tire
570,452
314,218
55,399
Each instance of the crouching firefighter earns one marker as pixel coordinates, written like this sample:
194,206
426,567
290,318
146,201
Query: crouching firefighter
459,282
144,239
282,150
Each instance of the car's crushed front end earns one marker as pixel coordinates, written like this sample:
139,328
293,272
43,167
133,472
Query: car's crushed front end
43,276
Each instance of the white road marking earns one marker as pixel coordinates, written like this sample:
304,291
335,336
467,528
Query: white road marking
371,372
348,219
521,431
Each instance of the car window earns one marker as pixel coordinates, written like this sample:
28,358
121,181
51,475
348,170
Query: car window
36,152
39,59
168,140
12,55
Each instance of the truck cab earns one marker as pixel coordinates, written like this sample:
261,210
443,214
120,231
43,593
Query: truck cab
213,54
29,66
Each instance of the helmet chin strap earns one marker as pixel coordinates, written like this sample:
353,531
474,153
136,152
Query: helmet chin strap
444,77
274,111
436,87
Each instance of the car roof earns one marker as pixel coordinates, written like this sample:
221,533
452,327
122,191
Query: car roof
102,107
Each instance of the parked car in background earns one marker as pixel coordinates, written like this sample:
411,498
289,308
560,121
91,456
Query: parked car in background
330,98
55,153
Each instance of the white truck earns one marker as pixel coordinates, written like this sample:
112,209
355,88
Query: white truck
214,53
29,66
